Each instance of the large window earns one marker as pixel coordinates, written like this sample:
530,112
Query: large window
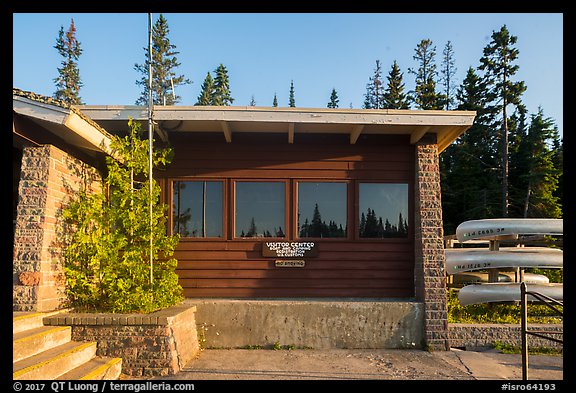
197,208
383,210
322,209
260,209
290,209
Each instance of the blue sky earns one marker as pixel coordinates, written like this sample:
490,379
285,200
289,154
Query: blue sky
264,52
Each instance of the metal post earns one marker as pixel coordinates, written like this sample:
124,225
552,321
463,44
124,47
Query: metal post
150,136
494,274
523,327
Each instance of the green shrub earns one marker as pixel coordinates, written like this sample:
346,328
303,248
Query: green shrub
107,259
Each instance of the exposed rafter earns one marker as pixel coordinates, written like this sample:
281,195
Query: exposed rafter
355,133
418,133
227,131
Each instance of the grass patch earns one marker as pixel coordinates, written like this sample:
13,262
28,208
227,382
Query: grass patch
497,313
252,347
517,349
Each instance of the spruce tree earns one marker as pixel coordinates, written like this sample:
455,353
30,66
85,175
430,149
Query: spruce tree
252,101
394,97
275,101
447,74
316,224
68,82
540,173
367,104
517,160
470,189
164,65
498,64
291,100
206,91
333,99
222,87
374,98
425,95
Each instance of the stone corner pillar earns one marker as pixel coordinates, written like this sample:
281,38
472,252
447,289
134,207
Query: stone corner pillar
429,268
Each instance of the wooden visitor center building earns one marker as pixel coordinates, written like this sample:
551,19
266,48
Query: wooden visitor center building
274,203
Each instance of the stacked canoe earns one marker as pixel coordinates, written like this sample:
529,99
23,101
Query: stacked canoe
464,263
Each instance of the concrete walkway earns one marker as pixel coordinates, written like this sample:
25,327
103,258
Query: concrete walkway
356,364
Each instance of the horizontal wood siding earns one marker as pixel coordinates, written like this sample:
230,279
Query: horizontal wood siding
344,267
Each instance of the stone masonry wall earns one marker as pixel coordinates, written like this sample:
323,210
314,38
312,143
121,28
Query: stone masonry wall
155,344
49,177
470,336
429,276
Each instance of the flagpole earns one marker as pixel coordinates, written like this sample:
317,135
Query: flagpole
150,137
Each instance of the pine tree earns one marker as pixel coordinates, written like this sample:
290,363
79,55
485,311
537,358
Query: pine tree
333,99
164,65
291,100
394,97
221,95
374,98
497,62
252,101
68,82
275,101
425,95
447,74
206,91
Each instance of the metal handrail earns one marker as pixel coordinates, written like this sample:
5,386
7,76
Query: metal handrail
546,300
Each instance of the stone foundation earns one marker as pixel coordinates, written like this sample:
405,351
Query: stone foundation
155,344
309,323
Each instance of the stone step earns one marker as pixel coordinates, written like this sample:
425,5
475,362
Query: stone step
98,368
22,321
33,341
54,362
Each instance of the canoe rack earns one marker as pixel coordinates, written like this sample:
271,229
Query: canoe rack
548,302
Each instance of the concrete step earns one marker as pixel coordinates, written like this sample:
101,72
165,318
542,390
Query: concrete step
33,341
54,362
98,368
22,321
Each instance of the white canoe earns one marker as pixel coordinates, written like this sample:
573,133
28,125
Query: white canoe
495,228
476,278
506,292
469,259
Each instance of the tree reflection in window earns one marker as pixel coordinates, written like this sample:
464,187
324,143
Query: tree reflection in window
260,209
383,210
197,208
322,209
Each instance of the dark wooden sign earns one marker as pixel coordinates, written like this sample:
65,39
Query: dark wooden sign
289,249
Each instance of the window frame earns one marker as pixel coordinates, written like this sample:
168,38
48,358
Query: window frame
224,207
349,209
287,208
358,213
